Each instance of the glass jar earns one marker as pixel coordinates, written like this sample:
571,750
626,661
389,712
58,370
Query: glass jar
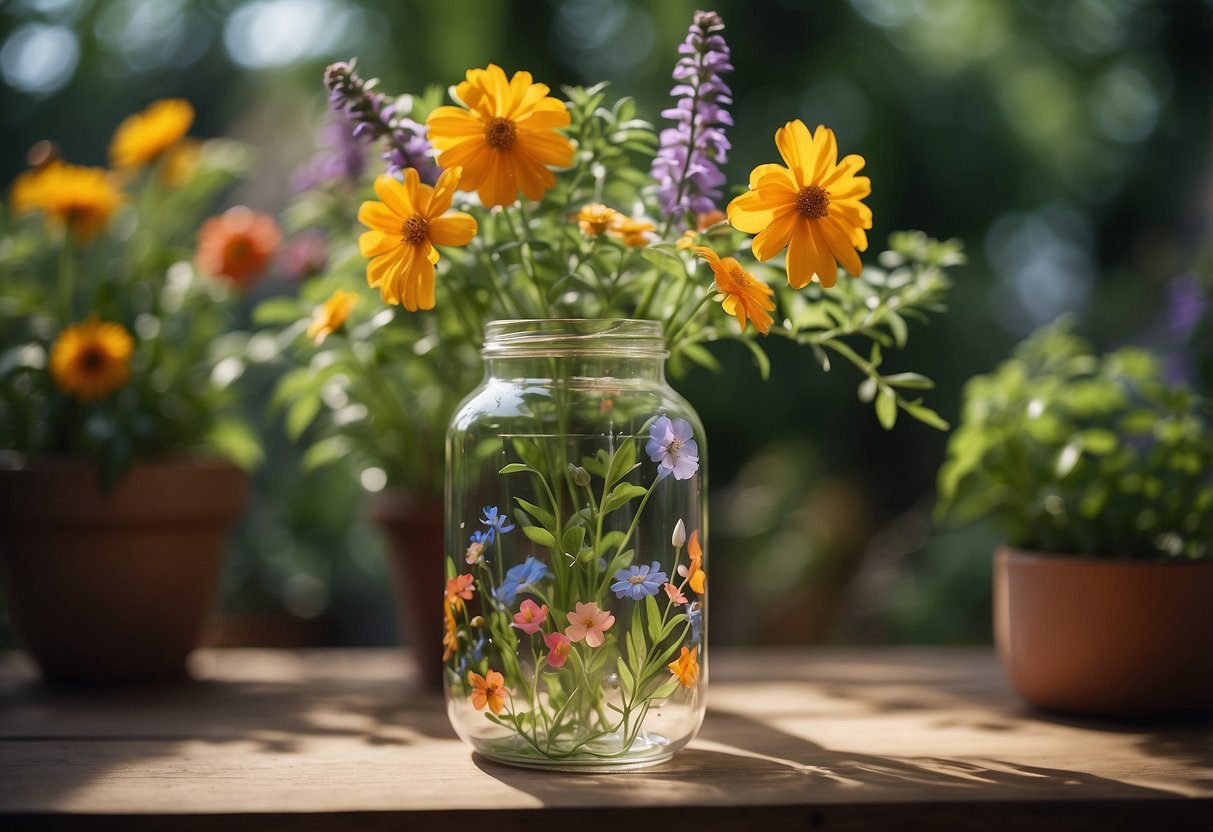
574,626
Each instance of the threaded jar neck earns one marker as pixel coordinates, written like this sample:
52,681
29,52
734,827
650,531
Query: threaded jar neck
560,337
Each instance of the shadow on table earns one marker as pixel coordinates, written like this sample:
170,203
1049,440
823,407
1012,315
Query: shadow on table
757,763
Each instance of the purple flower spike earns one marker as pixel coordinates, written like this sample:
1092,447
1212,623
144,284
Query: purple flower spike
687,166
373,116
670,445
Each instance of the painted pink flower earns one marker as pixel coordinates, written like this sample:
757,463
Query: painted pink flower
589,622
530,617
559,648
675,594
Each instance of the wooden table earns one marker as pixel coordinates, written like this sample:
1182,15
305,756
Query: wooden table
885,739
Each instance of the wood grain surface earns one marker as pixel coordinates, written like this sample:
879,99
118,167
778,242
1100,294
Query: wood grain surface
884,739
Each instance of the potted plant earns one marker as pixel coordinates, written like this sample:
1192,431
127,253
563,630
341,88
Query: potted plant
118,418
579,251
1100,473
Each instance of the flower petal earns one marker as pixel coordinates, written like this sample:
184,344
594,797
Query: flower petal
379,217
775,237
455,229
393,195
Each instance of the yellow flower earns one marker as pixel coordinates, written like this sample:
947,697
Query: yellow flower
331,315
81,198
506,137
595,218
634,233
812,207
143,138
686,667
745,296
404,228
92,359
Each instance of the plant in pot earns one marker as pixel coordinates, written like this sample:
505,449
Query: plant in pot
1100,473
121,435
579,252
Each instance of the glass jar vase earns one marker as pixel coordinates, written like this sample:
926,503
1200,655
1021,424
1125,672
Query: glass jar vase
574,626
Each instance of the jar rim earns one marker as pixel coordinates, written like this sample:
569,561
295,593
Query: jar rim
527,337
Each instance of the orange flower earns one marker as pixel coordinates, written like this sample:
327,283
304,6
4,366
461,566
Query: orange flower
488,689
143,138
404,228
745,296
696,577
686,667
331,315
505,139
595,218
238,245
92,359
634,233
450,637
813,207
458,590
81,198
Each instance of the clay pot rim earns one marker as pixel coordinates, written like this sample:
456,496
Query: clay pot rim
1037,557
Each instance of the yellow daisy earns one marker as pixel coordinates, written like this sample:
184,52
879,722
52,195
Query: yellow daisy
633,232
81,198
143,138
813,207
745,296
506,137
595,218
92,359
404,228
331,315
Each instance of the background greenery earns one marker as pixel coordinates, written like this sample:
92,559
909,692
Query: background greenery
1066,143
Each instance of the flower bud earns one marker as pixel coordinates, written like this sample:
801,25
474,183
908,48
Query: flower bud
477,622
679,538
581,477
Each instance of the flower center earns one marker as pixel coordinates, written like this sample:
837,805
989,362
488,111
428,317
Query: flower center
675,446
500,133
813,202
416,230
92,359
636,579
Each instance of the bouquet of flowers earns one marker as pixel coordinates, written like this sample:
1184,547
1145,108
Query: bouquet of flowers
511,204
117,303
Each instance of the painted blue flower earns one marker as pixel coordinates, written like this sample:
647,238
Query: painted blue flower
637,581
467,661
670,445
695,616
519,579
484,538
497,522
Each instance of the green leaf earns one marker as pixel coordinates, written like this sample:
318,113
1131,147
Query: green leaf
913,381
541,536
665,690
760,358
515,468
279,310
301,413
653,618
622,462
609,542
897,325
625,676
542,515
235,440
326,452
886,408
621,495
572,538
671,626
664,258
927,416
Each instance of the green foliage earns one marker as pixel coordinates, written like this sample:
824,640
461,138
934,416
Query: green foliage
1070,451
137,272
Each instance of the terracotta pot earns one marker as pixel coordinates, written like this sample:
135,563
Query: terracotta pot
413,526
1105,637
117,587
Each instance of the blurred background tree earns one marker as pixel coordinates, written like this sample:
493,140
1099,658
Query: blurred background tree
1066,143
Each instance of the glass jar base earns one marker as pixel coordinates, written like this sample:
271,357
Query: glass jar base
646,750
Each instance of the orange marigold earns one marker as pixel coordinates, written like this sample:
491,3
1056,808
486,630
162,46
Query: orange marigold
237,245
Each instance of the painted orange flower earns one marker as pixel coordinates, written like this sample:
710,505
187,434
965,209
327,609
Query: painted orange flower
595,218
696,577
813,207
458,590
488,689
450,636
634,233
331,315
92,359
237,245
686,667
81,198
505,139
404,228
745,296
144,137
